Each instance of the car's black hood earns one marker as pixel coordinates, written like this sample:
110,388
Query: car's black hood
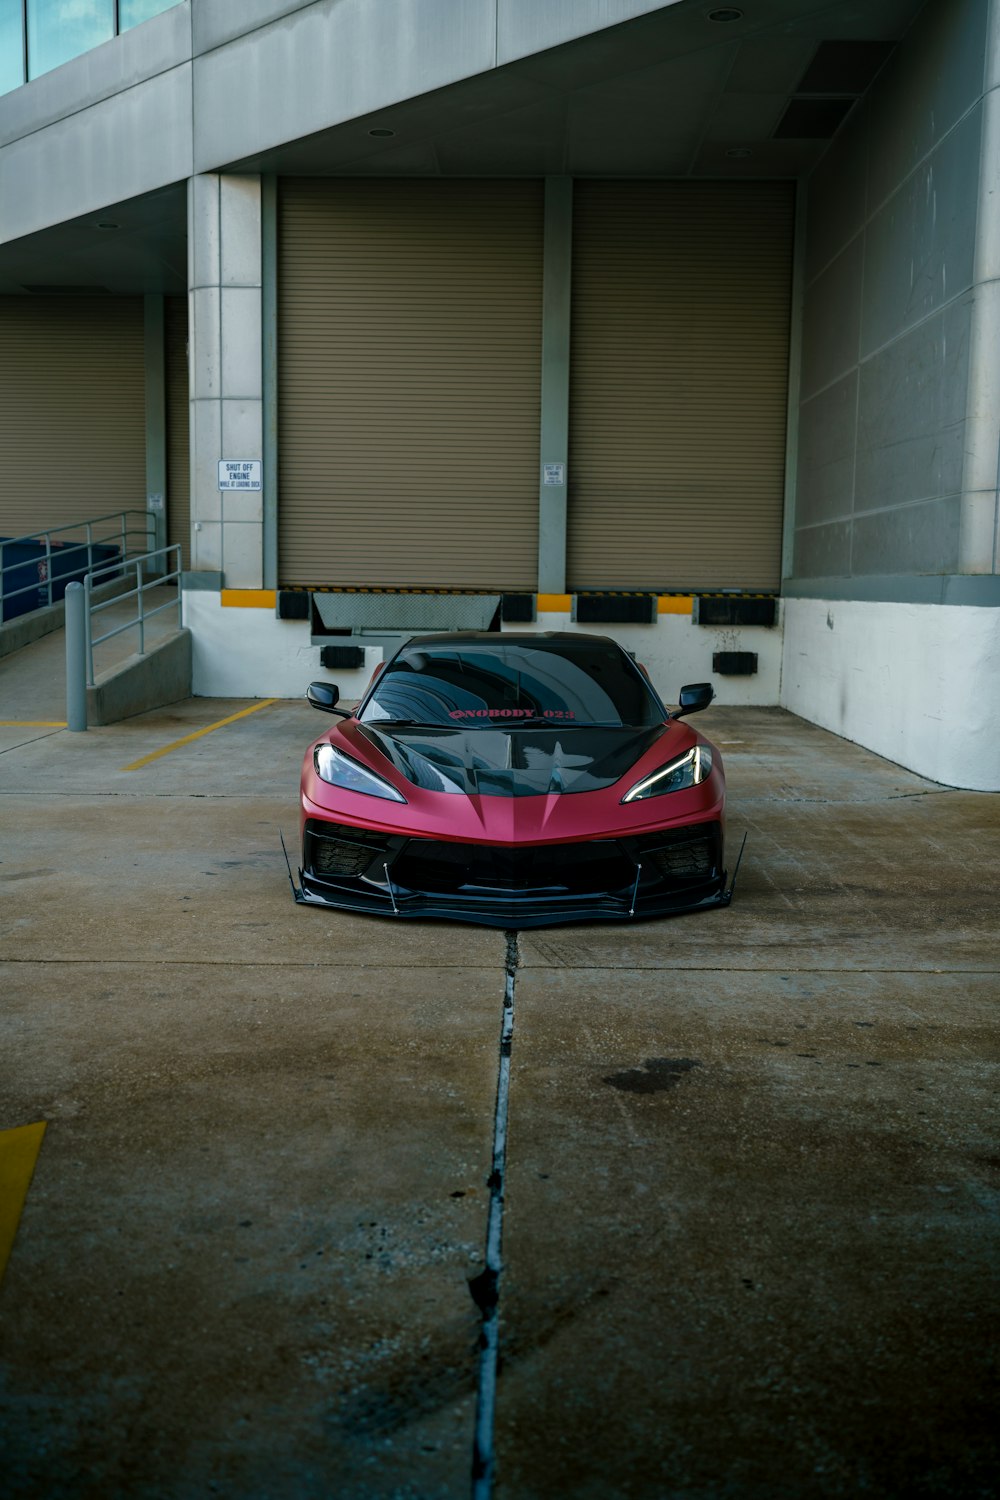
514,762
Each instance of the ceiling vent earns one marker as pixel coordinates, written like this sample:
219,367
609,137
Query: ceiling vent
843,67
838,75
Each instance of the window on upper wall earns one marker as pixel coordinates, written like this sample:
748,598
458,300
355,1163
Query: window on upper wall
58,30
131,12
11,45
61,29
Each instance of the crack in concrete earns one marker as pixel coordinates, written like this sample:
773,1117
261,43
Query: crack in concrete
553,964
239,963
34,740
485,1288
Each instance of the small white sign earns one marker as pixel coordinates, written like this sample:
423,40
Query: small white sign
553,473
240,474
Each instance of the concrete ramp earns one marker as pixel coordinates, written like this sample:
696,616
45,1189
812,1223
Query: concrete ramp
161,676
33,670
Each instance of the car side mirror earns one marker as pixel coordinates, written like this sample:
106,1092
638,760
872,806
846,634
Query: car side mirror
325,696
693,698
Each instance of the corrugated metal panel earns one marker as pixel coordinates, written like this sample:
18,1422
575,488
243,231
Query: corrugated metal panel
681,301
175,328
410,339
72,410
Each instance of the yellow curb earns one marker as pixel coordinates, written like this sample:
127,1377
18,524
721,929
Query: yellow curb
249,598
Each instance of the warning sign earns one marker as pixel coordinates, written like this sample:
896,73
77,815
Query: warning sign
240,474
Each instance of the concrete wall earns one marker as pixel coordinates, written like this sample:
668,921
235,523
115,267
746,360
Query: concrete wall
105,127
893,296
915,683
892,620
206,84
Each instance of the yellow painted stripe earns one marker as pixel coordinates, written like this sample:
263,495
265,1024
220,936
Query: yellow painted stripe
249,598
18,1153
32,723
674,604
188,739
553,603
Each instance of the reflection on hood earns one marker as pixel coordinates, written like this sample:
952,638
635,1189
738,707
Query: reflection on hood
512,762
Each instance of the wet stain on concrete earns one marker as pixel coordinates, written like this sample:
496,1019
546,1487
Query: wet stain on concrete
394,1386
656,1075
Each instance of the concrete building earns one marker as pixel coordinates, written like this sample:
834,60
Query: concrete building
661,317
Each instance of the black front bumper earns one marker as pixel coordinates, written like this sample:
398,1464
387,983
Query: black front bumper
539,885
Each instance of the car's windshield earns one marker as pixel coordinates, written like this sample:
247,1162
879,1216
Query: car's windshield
473,685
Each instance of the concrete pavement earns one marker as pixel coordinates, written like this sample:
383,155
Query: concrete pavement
750,1197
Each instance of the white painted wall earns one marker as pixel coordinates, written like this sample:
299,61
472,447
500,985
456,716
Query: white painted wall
249,653
675,651
916,683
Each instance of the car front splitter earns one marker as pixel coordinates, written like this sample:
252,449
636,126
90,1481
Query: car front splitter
497,910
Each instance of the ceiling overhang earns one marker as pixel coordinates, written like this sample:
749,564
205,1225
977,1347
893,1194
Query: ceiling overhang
691,91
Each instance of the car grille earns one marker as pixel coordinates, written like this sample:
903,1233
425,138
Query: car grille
336,849
680,858
683,854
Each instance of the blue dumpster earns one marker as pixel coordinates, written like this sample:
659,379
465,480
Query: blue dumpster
24,582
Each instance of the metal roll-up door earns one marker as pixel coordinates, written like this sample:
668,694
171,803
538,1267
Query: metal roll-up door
72,411
409,335
680,337
175,343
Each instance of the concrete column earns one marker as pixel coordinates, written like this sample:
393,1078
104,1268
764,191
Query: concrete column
225,334
156,422
980,534
556,306
269,305
794,384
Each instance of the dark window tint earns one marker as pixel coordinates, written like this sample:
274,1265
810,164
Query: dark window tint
470,686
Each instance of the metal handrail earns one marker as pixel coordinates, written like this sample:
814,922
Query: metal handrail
120,536
142,585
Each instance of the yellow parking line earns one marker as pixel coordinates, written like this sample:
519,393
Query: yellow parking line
18,1153
32,723
137,765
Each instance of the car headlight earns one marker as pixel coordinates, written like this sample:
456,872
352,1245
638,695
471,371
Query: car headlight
341,770
687,770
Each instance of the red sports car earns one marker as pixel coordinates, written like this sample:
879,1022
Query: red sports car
515,781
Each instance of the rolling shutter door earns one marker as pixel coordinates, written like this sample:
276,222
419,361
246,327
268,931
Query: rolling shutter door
72,411
681,301
175,320
409,347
